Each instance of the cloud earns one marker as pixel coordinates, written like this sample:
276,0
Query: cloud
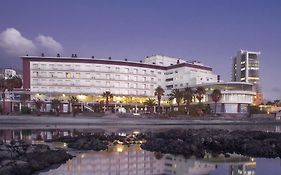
49,44
15,44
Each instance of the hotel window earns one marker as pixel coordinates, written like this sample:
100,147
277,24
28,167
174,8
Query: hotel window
135,78
77,75
43,66
60,82
35,66
117,77
68,66
52,66
152,72
97,68
52,74
67,75
107,84
144,79
152,79
126,70
107,76
88,67
77,67
117,69
144,71
159,73
135,71
88,75
107,68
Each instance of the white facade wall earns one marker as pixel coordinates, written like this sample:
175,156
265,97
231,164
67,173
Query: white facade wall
163,60
85,78
126,79
186,77
9,73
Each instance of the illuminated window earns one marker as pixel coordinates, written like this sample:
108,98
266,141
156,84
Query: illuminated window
67,75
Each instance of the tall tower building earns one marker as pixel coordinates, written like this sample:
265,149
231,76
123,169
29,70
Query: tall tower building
245,68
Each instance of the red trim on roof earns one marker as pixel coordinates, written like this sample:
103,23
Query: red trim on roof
114,62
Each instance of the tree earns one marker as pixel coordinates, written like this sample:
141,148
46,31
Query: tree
38,105
24,98
107,95
216,97
269,103
73,101
159,92
9,84
176,94
200,92
150,103
55,104
187,97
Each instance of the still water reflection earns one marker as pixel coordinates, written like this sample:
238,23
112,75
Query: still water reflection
132,160
123,160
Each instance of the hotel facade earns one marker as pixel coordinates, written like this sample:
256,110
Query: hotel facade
130,82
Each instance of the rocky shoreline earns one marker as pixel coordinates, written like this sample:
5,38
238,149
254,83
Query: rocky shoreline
189,142
197,143
19,158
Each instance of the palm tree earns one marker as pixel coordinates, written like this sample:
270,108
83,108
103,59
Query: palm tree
150,102
187,97
159,92
200,92
55,103
38,105
73,101
216,97
176,94
107,95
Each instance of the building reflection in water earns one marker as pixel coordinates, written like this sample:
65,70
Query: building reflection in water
118,160
132,160
247,168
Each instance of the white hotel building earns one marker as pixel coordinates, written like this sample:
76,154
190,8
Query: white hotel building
131,82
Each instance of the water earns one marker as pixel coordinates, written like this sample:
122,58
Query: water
132,160
121,160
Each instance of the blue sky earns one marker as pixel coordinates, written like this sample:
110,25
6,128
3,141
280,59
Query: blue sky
211,31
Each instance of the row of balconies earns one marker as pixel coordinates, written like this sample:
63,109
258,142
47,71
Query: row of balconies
152,87
98,71
94,79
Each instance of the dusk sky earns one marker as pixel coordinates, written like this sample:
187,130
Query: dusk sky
208,31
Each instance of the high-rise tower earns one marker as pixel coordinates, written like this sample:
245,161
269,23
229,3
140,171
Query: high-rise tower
245,68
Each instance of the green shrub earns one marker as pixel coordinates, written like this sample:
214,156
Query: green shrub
25,110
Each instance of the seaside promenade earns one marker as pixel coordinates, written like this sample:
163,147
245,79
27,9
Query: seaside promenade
112,120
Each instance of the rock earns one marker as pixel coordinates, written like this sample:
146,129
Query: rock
23,159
